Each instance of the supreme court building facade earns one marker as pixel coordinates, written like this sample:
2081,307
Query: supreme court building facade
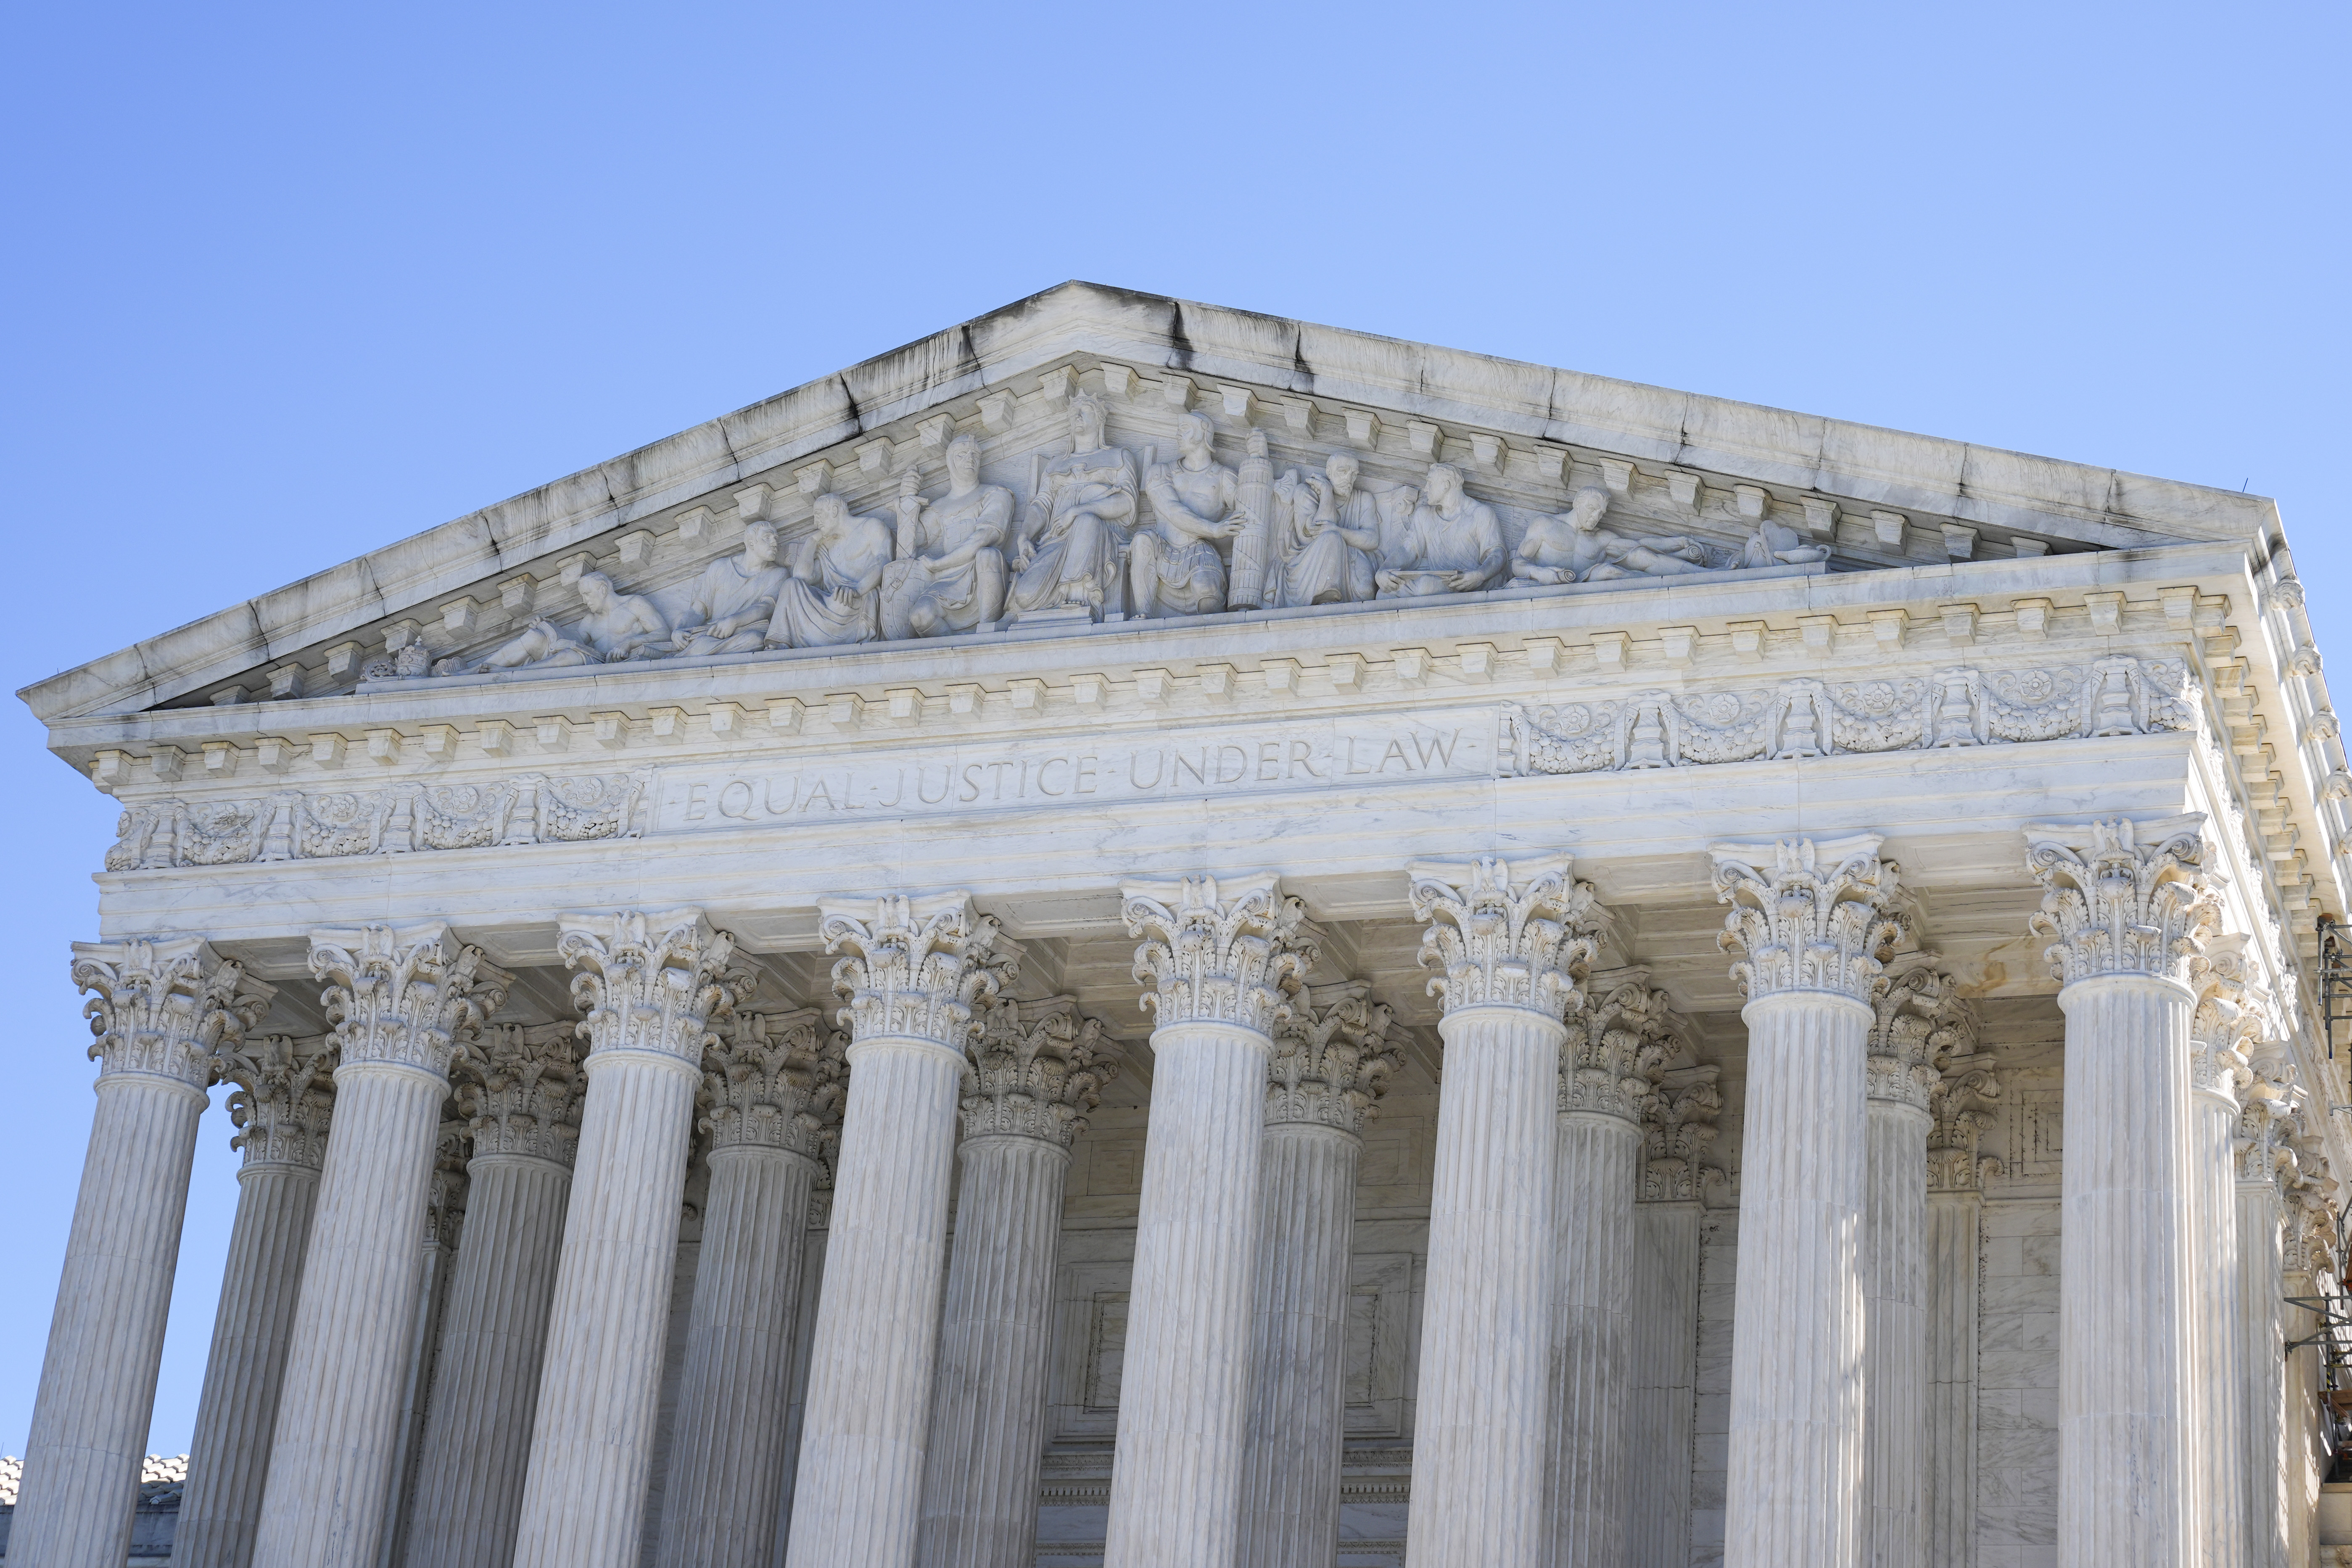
1143,934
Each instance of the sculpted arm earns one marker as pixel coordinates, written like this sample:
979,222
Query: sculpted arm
642,627
984,530
1168,505
1488,534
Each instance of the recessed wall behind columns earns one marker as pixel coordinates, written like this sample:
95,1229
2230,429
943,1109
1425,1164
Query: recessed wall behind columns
1952,817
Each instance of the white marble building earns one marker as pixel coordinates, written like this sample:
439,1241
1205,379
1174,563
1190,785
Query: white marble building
866,985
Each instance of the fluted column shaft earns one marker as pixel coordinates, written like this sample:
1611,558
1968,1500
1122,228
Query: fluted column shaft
1298,1406
1479,1452
1895,1387
987,1439
2262,1361
1183,1412
1592,1338
600,1384
96,1393
236,1414
1794,1489
858,1494
478,1423
1661,1414
339,1414
2221,1441
727,1453
1948,1503
2125,1373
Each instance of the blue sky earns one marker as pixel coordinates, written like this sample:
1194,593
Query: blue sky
289,282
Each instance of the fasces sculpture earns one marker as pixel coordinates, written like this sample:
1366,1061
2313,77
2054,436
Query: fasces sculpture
1330,536
733,598
1174,562
834,595
617,627
1574,548
949,575
1452,544
1073,539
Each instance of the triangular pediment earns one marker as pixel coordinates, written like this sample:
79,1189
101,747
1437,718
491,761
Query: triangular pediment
1707,473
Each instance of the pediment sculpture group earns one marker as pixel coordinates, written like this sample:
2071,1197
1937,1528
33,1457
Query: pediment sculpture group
1117,538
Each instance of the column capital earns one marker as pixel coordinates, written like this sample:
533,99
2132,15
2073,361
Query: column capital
1678,1130
2231,1019
1037,1068
1919,1018
1618,1044
1966,1091
648,981
919,968
1811,914
1227,952
406,995
2310,1230
519,1086
1332,1058
445,1198
774,1081
284,1099
2264,1142
2121,897
164,1006
1506,933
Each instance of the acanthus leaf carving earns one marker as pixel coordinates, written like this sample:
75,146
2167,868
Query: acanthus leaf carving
1037,1068
284,1100
649,981
1678,1133
404,995
165,1007
1814,916
1919,1019
520,1088
1505,933
1619,1046
1961,1107
1231,953
2121,896
1333,1056
775,1081
921,968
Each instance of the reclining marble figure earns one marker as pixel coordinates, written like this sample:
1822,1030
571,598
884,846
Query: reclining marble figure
618,626
1574,548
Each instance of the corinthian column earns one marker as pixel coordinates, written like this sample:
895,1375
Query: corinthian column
2263,1162
160,1011
2228,1018
518,1090
774,1095
1332,1061
1512,939
1616,1048
283,1098
1037,1069
402,1000
1810,916
650,985
1919,1020
2126,907
1956,1176
918,973
1222,959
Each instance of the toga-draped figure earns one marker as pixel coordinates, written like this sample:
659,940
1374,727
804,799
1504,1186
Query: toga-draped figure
949,574
617,627
1452,544
728,609
1174,562
1574,548
1330,545
836,580
1074,537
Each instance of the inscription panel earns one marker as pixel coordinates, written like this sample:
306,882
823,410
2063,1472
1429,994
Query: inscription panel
1201,763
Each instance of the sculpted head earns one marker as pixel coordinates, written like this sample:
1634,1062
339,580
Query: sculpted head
1088,419
760,544
963,461
596,591
831,512
1195,434
1445,484
1342,469
1586,510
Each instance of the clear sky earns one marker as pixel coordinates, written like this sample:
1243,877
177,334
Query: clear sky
286,283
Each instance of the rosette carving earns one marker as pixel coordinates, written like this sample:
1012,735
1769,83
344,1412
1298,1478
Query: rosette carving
1229,954
1332,1058
1962,1107
1037,1068
409,995
165,1008
774,1082
1919,1019
650,982
520,1086
284,1099
1678,1133
1816,917
922,968
1618,1045
2121,897
1505,933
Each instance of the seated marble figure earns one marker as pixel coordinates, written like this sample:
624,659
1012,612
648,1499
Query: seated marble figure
1451,544
1174,563
949,575
618,626
727,611
1331,539
1073,544
833,596
1574,548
